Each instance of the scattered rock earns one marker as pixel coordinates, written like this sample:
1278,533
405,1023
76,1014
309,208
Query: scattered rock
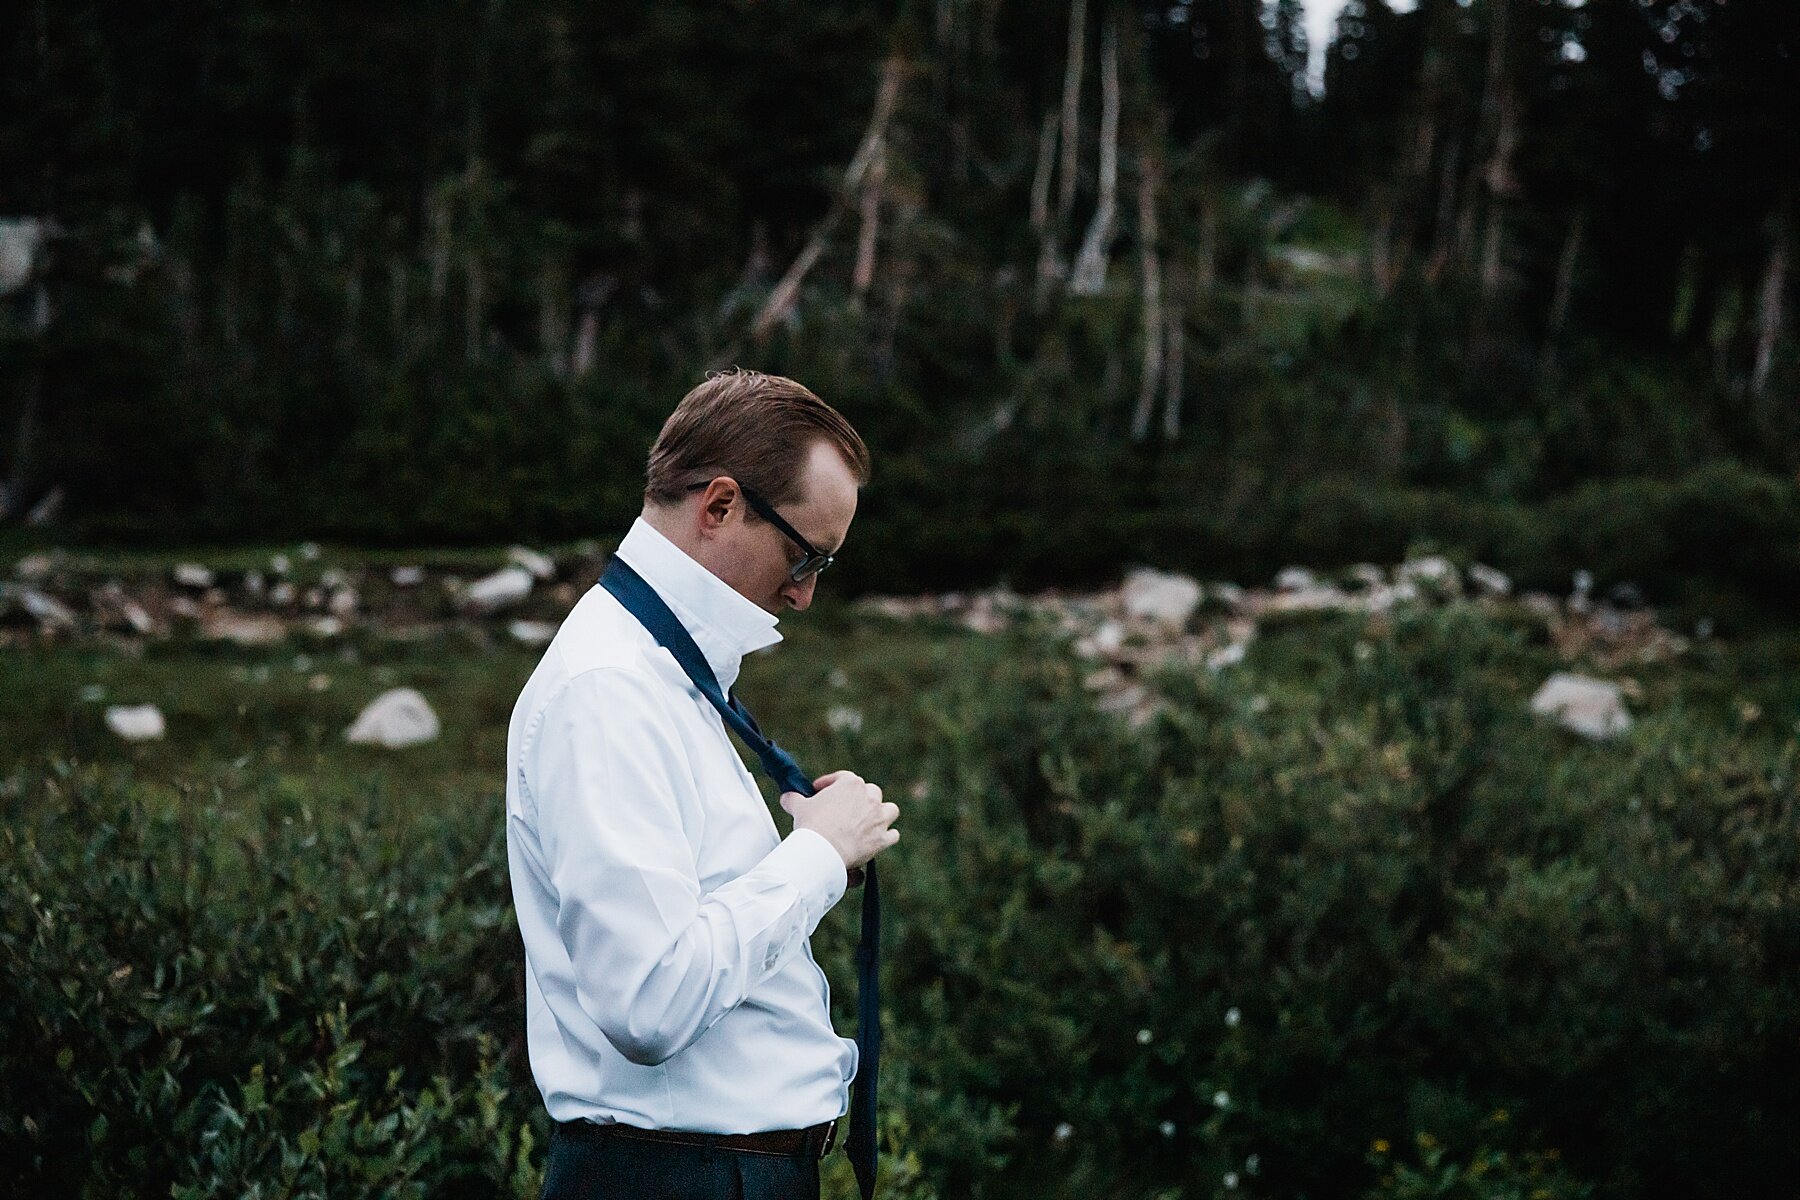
34,566
243,629
1433,572
395,719
1590,707
1161,598
280,564
193,575
532,633
325,627
1313,597
117,609
407,577
309,551
1294,579
342,601
254,584
503,589
541,566
1368,575
282,594
50,613
136,722
1228,655
1490,581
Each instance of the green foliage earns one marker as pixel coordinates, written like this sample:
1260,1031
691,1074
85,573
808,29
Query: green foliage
1345,892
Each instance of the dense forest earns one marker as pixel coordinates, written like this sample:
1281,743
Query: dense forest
1100,281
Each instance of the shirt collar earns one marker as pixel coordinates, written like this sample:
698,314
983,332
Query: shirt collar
724,624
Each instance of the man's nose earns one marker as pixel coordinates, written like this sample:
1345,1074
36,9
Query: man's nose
799,595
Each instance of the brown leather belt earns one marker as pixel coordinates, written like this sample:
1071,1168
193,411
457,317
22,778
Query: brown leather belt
815,1142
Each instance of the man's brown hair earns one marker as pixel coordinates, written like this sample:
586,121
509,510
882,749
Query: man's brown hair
755,428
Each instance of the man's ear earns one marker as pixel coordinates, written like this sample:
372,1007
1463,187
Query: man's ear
716,503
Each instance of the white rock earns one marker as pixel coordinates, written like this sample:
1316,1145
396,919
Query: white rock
282,594
255,584
1434,571
1369,575
244,629
47,610
1317,597
1228,655
325,627
395,719
1491,581
193,575
1590,707
280,564
1161,597
333,577
342,602
532,633
407,576
136,722
1294,579
34,566
503,589
309,551
541,566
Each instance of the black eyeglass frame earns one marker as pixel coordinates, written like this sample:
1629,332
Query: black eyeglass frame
813,560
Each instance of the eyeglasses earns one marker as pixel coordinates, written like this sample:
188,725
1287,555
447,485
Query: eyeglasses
812,560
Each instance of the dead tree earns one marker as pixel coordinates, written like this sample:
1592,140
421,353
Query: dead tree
780,303
1089,276
1073,67
1769,307
1151,264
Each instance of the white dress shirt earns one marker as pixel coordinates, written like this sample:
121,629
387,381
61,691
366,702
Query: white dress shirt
669,981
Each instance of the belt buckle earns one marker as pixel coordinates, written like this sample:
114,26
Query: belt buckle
830,1139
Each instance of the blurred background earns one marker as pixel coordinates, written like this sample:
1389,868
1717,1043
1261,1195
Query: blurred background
1326,595
1213,283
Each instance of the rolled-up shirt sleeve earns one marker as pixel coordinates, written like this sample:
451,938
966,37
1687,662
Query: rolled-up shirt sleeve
656,961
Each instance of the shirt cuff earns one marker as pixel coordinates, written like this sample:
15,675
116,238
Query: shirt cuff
813,863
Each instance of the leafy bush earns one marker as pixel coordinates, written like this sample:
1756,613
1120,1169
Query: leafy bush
1349,889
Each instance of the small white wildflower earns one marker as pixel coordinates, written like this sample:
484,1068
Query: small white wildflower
1253,1164
838,679
1232,1017
1064,1132
93,693
843,718
1167,1129
1364,651
1231,1180
1259,704
1145,1037
1221,1099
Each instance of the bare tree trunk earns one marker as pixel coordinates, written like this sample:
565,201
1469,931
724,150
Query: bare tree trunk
1172,374
13,495
1151,264
1089,276
1769,309
1501,132
781,300
1073,68
1049,266
1565,289
864,273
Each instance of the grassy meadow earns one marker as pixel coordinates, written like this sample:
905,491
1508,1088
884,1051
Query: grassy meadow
1340,920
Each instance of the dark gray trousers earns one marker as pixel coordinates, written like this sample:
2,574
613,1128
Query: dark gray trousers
585,1167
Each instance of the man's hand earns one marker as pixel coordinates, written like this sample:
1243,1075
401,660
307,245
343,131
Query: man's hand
848,813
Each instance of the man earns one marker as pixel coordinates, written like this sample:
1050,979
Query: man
678,1026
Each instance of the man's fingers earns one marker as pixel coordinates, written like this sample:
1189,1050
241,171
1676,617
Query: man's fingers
890,813
875,792
787,801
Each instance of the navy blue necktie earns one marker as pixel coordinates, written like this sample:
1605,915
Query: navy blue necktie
642,602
